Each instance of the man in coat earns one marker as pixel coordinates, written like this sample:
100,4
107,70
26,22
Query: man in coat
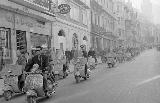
92,53
41,60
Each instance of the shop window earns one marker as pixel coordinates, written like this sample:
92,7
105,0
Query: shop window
39,40
21,41
41,22
5,43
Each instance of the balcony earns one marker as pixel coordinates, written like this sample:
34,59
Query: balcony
79,2
110,12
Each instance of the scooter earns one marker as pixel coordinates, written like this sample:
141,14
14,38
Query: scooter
79,71
13,83
111,62
91,63
34,86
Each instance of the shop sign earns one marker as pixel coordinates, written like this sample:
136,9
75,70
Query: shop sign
41,3
64,8
23,21
34,4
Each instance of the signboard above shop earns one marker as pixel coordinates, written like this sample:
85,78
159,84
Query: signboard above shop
64,8
42,5
39,5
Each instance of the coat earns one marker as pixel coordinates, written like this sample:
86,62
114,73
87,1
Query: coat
91,53
41,60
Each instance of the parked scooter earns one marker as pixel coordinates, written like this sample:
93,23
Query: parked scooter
91,63
34,85
13,83
111,62
59,70
81,70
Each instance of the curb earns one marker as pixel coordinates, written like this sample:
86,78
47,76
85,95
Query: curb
1,87
1,96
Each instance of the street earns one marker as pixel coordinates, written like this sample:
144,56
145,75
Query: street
137,81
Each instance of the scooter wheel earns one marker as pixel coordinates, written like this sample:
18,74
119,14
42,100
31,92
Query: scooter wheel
85,78
77,79
56,77
7,95
65,75
31,100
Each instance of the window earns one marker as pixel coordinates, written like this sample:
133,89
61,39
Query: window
118,8
21,41
5,43
39,40
84,17
101,21
61,2
98,17
74,13
93,17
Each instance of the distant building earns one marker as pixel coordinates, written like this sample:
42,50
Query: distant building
102,24
147,8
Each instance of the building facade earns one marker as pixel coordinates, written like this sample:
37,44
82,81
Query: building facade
73,29
23,27
119,11
102,25
26,24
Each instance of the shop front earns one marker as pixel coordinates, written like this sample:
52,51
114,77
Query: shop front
68,36
20,32
39,40
6,31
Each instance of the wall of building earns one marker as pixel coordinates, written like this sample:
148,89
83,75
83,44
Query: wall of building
102,24
76,22
19,22
69,29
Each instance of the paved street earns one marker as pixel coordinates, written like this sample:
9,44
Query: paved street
137,81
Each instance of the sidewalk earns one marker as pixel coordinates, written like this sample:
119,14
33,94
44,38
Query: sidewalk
1,87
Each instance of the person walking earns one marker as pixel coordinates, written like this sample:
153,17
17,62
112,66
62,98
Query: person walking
21,60
85,55
92,53
42,61
68,55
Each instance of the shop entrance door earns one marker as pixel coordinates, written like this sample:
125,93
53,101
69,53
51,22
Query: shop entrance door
61,46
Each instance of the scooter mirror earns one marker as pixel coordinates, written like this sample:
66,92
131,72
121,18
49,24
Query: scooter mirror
9,71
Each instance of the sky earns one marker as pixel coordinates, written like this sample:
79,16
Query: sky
156,11
156,8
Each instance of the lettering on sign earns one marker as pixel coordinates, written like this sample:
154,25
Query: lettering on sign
64,8
23,21
41,3
25,9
